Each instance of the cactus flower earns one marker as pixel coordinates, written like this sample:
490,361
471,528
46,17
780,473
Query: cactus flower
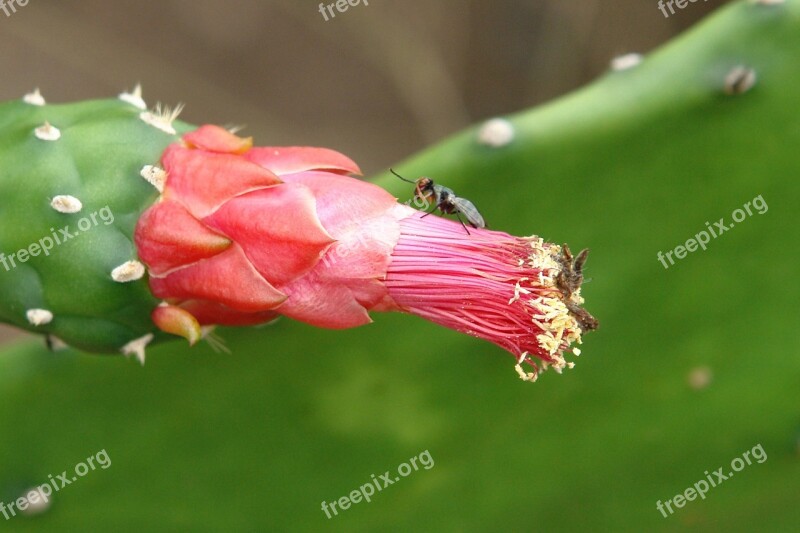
243,234
139,227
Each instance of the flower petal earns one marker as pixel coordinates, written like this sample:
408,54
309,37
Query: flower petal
325,304
293,159
215,139
364,251
344,203
208,313
171,319
168,236
359,260
278,229
202,181
228,278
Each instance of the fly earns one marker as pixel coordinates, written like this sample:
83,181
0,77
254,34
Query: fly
445,200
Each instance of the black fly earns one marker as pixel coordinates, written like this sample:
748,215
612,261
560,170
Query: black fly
445,200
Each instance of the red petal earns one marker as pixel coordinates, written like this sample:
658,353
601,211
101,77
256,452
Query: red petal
216,139
278,229
168,236
364,252
208,313
202,181
346,283
349,278
344,203
177,321
292,159
323,304
228,278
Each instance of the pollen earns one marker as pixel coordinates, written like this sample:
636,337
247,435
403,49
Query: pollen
548,311
525,376
518,289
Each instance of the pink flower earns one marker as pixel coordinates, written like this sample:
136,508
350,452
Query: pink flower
242,235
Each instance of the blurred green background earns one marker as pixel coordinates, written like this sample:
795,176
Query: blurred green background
692,367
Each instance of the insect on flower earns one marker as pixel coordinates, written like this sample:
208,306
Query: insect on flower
445,200
569,280
276,231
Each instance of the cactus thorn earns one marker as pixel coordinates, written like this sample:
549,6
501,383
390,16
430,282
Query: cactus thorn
47,132
136,347
740,80
134,97
213,339
128,271
64,203
496,132
34,98
162,118
625,62
156,176
37,317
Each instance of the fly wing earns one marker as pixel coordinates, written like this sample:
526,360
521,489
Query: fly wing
470,212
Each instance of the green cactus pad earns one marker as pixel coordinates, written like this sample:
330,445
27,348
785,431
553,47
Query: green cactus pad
301,415
56,267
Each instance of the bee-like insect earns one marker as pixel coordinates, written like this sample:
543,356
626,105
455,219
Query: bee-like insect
569,280
445,200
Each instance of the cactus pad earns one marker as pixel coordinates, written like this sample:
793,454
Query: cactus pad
71,191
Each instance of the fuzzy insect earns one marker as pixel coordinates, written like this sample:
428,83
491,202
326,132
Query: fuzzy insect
569,280
445,200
